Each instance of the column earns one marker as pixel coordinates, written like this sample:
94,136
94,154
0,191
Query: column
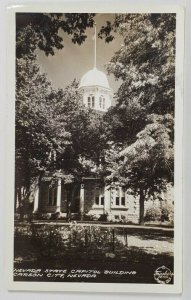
107,198
58,198
36,200
81,201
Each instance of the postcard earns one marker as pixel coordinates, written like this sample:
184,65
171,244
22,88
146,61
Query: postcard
95,148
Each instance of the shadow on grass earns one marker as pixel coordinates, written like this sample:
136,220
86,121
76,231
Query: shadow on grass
78,247
121,258
154,237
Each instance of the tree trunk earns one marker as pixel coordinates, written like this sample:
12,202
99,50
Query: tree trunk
141,206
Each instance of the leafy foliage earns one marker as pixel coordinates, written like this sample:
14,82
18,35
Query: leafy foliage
142,121
146,65
55,134
163,212
85,126
148,162
167,212
43,31
153,213
38,133
132,144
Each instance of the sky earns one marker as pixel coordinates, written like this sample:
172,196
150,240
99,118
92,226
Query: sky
73,61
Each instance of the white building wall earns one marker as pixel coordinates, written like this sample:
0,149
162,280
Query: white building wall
97,93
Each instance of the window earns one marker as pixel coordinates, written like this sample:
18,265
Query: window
119,197
97,200
102,200
103,103
100,102
91,101
52,195
99,197
117,201
122,196
123,201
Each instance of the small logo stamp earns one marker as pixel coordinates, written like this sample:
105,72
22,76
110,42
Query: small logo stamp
163,275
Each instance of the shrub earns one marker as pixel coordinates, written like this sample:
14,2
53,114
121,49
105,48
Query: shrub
87,217
91,217
164,212
95,217
111,218
55,242
48,240
103,217
167,212
55,216
124,218
153,213
62,216
121,218
42,216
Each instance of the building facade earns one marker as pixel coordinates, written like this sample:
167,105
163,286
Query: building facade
89,200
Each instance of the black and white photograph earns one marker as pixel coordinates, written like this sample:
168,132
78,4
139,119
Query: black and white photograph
95,141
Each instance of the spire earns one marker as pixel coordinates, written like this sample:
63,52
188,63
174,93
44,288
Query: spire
95,37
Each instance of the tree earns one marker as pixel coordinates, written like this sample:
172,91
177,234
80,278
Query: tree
41,137
56,135
85,125
38,133
146,166
81,157
40,30
141,125
146,65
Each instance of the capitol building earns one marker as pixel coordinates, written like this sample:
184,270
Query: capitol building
90,199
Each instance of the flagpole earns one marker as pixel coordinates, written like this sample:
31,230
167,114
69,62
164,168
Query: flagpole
95,47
